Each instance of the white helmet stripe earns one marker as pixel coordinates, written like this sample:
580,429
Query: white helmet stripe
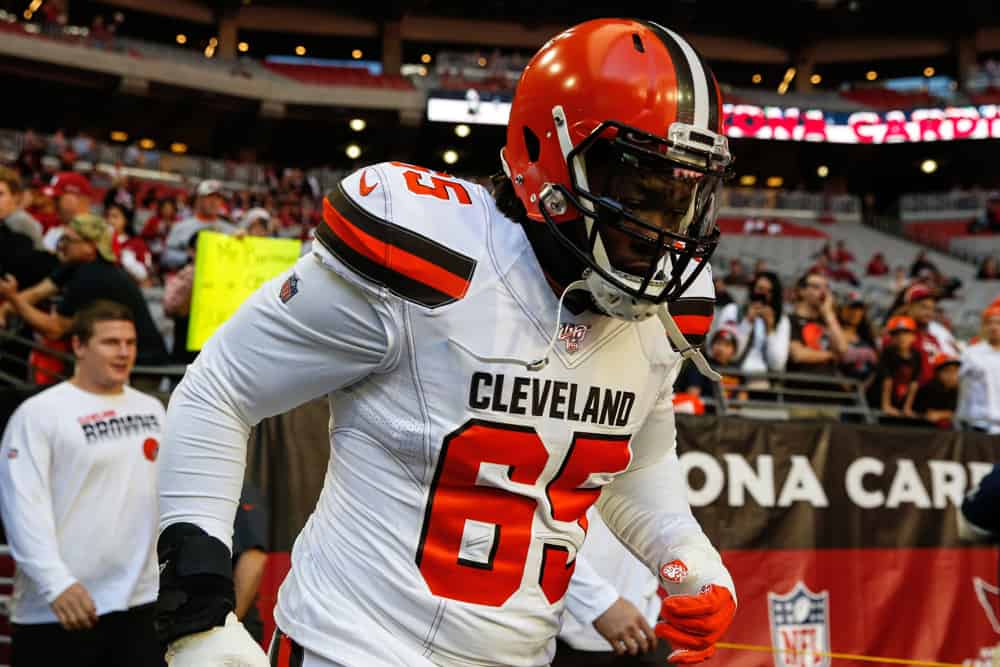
700,82
699,79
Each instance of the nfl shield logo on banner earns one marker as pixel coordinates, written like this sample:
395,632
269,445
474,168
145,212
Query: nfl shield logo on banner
800,627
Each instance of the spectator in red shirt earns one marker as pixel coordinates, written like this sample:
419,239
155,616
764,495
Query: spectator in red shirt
895,385
877,266
155,231
932,337
132,252
842,255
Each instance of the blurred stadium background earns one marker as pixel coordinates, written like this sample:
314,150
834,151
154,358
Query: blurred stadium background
860,128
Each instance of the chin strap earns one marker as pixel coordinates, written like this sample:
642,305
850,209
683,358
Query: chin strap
685,348
542,361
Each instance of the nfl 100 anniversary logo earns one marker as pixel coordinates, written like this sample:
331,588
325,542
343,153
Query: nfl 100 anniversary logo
573,334
800,627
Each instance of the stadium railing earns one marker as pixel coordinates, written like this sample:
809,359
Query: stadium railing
770,396
170,372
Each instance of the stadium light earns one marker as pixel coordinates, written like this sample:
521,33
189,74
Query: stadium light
786,81
756,78
353,151
871,75
928,72
181,38
822,171
300,50
928,166
747,180
118,135
425,58
243,47
450,156
358,124
356,54
462,131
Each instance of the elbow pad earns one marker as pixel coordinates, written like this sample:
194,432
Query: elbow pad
196,582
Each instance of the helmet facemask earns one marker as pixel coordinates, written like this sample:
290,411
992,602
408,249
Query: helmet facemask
649,208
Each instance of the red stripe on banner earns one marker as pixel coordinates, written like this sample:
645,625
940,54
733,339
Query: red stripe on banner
392,257
918,604
693,324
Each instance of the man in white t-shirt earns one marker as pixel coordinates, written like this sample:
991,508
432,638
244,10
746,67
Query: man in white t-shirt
79,503
979,389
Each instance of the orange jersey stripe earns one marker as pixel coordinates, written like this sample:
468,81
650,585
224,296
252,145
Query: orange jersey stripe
693,324
393,257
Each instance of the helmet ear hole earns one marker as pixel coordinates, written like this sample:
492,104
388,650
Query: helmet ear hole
532,144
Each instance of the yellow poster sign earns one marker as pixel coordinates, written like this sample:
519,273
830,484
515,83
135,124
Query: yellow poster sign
227,270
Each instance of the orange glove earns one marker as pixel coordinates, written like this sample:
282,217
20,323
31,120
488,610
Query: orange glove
694,623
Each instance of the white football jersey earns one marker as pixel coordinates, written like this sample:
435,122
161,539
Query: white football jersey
455,500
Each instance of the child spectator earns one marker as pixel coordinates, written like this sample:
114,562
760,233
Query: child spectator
721,353
937,400
895,385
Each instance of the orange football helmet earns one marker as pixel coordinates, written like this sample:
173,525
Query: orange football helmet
618,122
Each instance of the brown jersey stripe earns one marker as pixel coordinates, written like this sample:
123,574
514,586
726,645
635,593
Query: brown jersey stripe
400,237
402,273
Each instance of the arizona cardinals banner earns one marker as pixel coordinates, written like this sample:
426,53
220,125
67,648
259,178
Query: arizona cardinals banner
842,538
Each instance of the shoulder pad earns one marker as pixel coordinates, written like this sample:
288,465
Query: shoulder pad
414,232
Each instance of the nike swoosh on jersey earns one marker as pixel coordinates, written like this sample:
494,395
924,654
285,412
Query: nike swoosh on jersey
363,186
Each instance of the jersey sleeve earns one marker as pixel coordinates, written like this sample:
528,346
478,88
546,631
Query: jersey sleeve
26,503
646,507
588,595
404,230
300,336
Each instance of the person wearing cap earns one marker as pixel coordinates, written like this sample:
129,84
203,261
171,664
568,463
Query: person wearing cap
920,303
895,384
937,400
979,377
257,222
73,195
208,203
88,272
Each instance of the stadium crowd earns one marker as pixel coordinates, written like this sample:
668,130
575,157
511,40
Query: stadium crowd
70,241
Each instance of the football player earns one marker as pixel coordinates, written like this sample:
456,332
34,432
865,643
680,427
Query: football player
468,443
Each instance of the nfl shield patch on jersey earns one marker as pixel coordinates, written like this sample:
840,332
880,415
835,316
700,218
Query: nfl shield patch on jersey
573,334
800,627
289,289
